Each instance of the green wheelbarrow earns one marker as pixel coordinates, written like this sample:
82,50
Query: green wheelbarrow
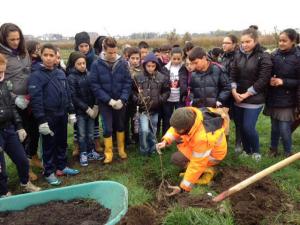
110,194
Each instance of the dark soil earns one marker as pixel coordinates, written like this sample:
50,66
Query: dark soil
259,201
187,200
141,214
79,211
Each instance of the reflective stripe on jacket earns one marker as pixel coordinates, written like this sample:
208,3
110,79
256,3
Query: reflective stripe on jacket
202,146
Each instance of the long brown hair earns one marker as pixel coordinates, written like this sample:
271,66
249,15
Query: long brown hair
5,29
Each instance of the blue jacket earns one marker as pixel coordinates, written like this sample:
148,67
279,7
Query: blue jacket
50,94
82,95
36,65
110,81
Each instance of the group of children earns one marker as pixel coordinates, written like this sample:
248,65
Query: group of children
134,96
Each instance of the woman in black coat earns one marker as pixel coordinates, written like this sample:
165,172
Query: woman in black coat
282,98
250,75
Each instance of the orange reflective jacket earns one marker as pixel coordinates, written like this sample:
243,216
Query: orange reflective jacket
204,145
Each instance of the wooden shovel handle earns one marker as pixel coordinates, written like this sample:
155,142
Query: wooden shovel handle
245,183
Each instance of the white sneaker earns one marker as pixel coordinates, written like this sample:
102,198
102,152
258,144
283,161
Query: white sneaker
256,157
30,187
6,195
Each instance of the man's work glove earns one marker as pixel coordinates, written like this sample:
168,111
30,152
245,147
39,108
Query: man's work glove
112,103
72,119
21,102
22,134
160,146
90,112
118,105
44,129
96,111
175,190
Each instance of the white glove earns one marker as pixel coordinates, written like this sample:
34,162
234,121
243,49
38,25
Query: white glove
112,102
21,102
72,119
96,111
44,129
90,112
22,134
118,105
218,104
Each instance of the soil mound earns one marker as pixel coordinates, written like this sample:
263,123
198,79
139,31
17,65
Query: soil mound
255,203
79,211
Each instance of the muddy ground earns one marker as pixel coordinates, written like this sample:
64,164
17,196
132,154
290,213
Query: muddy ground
79,212
250,206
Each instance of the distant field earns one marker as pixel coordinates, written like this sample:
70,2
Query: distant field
205,42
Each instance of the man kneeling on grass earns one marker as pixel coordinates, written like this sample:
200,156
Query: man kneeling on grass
201,141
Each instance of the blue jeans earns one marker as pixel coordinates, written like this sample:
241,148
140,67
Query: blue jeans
168,109
147,133
85,132
246,119
281,129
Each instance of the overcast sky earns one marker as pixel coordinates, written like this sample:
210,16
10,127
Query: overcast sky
123,17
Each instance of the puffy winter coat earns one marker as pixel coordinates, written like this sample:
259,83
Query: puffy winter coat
8,112
209,87
286,65
227,61
110,81
50,93
205,144
81,93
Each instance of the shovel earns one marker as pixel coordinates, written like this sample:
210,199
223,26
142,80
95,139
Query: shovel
256,177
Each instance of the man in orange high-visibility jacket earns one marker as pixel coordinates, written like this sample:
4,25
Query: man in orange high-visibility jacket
201,142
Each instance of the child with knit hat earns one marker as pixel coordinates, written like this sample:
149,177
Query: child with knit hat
201,142
83,45
85,107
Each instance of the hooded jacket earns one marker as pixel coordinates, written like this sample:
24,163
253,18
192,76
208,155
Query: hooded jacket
17,70
204,145
155,87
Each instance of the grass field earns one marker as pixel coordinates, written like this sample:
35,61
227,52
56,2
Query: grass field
141,175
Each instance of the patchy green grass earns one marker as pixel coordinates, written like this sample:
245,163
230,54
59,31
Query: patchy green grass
197,216
142,176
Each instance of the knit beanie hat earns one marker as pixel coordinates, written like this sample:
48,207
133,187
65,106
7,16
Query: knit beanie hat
183,118
82,37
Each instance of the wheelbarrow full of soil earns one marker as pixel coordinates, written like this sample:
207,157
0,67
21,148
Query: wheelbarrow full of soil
109,194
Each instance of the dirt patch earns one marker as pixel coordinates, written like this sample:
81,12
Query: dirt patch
187,200
141,214
79,211
255,203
